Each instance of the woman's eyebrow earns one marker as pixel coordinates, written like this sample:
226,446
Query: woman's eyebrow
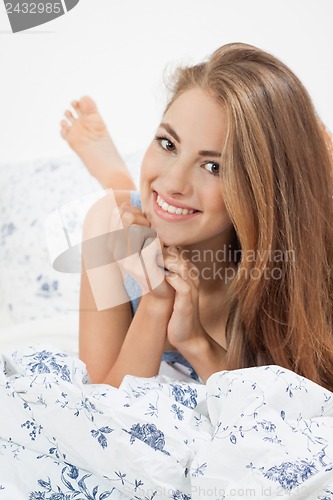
215,154
174,134
169,129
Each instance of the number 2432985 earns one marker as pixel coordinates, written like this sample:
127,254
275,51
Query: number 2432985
34,8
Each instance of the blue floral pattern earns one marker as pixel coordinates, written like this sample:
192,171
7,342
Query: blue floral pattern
75,484
290,475
187,396
258,432
149,434
30,192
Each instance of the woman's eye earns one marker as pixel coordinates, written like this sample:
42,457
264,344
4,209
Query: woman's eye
166,143
213,168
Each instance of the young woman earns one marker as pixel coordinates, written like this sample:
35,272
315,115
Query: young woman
238,186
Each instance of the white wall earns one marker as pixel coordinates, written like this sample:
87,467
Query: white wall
116,51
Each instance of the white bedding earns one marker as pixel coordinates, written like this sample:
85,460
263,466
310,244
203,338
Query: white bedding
60,332
259,433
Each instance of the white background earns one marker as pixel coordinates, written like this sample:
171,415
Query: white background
117,51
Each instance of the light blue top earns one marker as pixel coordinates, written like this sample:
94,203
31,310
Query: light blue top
134,292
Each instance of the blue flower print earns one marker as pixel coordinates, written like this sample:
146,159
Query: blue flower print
149,434
37,495
75,485
178,412
73,472
99,434
290,475
35,429
40,366
327,492
185,395
47,288
178,495
267,426
47,362
7,230
199,470
233,439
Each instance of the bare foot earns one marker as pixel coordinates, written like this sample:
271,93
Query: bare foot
87,135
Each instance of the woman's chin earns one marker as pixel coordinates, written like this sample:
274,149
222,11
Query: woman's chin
169,240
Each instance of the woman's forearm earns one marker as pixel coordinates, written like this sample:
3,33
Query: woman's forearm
142,349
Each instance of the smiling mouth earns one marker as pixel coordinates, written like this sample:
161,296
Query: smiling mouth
172,209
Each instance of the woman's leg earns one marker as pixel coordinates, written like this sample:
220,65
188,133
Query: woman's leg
87,135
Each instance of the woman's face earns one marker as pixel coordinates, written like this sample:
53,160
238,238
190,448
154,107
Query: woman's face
180,184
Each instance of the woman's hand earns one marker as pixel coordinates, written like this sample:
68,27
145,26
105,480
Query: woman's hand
146,254
185,331
184,326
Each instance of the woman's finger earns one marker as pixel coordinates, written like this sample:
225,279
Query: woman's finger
126,208
182,288
151,254
174,262
131,217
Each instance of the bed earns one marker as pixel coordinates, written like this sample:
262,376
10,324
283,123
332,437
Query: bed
259,432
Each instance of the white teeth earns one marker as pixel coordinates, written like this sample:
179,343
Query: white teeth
171,209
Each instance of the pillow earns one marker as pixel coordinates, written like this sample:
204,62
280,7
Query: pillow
30,288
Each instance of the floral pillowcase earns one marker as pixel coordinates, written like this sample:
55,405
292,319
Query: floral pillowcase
29,286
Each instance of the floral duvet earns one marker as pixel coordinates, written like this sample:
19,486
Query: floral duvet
255,433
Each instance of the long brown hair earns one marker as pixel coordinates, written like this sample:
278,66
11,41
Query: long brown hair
277,185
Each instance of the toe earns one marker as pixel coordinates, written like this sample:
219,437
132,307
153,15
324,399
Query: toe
87,105
64,128
76,107
69,116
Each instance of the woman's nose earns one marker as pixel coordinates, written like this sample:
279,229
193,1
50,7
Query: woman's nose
177,178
